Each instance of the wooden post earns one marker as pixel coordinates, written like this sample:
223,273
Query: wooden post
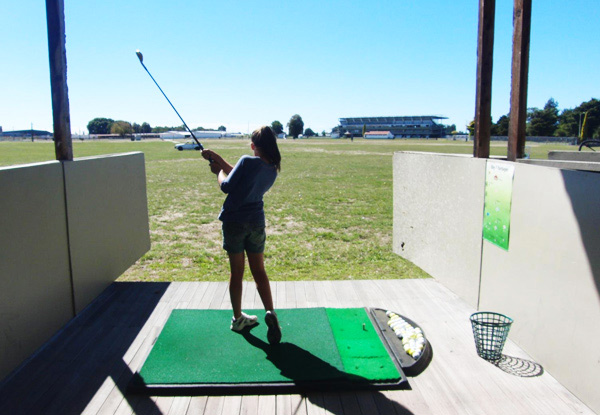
520,73
485,61
55,17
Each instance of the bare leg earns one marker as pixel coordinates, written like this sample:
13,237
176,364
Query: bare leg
257,267
236,264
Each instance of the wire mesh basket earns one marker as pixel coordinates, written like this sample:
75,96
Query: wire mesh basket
490,331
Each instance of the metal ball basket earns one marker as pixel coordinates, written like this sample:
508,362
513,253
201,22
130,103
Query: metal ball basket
490,331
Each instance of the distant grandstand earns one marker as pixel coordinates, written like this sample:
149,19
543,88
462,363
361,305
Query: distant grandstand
420,126
26,134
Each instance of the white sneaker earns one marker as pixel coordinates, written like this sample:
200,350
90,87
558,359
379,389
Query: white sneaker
243,321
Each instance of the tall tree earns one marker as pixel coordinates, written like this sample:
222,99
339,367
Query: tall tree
543,122
137,128
568,124
500,128
122,128
222,128
277,127
295,125
100,126
146,129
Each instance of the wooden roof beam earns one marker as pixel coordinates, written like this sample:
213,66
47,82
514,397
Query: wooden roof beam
520,74
55,17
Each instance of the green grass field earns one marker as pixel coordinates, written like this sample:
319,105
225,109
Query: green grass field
329,215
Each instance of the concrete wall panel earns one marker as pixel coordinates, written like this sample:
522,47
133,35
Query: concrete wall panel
438,208
108,220
35,287
549,280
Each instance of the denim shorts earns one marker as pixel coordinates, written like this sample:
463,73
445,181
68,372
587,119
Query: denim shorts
240,237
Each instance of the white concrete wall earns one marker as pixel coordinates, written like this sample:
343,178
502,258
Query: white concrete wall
549,279
108,220
59,249
35,287
436,197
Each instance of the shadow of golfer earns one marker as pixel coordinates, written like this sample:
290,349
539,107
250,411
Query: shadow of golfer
312,374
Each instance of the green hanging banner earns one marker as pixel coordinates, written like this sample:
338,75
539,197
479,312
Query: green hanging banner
497,202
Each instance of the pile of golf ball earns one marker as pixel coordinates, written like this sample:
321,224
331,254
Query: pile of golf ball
412,337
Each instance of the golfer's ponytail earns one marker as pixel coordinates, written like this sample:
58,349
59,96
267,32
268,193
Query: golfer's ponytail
266,141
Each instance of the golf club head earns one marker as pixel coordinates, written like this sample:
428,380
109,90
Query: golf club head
140,56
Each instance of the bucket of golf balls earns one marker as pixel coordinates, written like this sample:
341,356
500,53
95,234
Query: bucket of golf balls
412,337
490,331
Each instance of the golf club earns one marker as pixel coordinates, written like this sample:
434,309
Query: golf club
141,58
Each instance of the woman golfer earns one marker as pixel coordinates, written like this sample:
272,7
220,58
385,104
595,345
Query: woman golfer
243,220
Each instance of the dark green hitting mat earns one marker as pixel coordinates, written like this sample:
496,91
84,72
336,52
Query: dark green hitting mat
197,347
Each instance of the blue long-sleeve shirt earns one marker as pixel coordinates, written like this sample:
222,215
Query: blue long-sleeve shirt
245,186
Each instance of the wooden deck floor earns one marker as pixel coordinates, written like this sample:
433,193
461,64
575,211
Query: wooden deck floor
87,366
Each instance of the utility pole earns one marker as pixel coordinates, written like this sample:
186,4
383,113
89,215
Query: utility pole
55,17
483,94
520,74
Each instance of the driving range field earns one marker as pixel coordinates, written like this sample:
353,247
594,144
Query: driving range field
329,214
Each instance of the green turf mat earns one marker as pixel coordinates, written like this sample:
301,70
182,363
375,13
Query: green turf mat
359,345
197,347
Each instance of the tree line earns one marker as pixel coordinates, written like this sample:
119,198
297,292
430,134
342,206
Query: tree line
582,121
295,128
124,128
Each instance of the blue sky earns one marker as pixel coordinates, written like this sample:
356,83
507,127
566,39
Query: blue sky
243,64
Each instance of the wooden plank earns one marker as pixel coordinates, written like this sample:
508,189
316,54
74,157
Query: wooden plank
189,294
197,405
483,91
203,301
290,294
45,358
249,406
214,405
267,405
346,294
298,405
180,405
331,294
218,299
321,296
110,398
283,405
457,381
332,402
280,294
349,403
300,294
128,406
49,382
315,404
231,405
110,363
366,402
247,295
163,404
311,294
519,80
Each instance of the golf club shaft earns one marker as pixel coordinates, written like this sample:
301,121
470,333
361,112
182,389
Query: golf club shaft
172,106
